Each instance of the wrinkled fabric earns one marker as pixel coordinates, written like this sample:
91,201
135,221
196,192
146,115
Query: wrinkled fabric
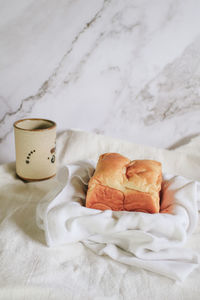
31,270
151,241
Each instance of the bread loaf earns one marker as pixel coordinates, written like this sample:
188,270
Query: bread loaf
120,184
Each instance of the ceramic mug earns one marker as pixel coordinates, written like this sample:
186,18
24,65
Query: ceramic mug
35,145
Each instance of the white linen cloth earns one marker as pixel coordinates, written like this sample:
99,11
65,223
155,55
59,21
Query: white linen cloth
31,270
150,241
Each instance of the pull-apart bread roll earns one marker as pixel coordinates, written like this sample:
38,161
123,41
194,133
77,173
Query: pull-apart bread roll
121,184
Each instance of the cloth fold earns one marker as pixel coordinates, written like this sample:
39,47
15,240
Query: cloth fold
154,242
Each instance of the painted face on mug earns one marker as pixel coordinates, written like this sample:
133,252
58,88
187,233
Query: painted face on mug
30,156
52,157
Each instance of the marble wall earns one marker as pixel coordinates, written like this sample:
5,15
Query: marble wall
125,68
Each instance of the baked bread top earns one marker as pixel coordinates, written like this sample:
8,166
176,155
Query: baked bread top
121,184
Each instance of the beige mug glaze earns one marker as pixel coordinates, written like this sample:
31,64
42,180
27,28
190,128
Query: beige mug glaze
35,144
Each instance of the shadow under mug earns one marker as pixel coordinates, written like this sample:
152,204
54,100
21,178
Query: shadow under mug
35,145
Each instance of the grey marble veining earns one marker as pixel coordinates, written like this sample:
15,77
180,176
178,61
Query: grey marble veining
129,69
172,94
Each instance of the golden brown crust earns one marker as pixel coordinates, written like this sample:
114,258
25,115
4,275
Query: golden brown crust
104,196
167,203
121,184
